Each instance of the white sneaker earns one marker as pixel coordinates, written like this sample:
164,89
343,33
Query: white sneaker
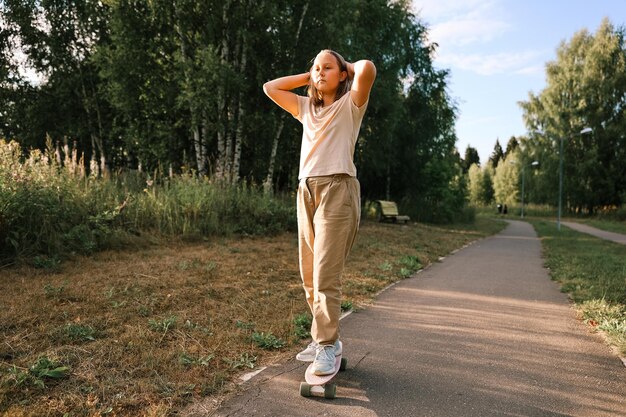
308,354
324,363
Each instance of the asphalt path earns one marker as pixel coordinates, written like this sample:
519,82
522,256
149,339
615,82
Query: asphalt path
485,332
602,234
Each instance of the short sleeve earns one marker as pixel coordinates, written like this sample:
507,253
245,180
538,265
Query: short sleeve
302,107
358,112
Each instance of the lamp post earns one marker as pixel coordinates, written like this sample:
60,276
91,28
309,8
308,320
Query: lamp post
533,163
558,220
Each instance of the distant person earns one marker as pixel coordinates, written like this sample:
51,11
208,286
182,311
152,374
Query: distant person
505,210
328,200
499,208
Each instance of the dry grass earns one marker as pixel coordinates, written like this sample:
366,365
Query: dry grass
145,332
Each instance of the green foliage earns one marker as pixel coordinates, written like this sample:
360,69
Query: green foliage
51,291
188,360
37,374
480,185
302,325
79,332
409,265
346,305
506,180
177,85
163,326
194,207
47,263
267,340
586,88
245,325
245,360
47,211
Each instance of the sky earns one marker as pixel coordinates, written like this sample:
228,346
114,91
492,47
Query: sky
496,51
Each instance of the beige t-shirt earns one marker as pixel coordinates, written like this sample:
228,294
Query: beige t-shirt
329,136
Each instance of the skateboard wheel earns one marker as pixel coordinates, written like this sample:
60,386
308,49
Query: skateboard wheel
330,391
305,389
344,364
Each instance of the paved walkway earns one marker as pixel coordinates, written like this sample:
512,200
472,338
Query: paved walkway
603,234
483,333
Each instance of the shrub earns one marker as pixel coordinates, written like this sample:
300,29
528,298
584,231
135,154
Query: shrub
51,210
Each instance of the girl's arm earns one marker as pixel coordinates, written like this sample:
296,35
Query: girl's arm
279,90
363,73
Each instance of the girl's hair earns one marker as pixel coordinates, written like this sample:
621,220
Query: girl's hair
343,88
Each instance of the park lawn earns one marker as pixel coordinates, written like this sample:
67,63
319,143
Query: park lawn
592,272
143,332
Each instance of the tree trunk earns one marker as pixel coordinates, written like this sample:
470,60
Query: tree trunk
222,111
200,155
197,137
267,184
240,115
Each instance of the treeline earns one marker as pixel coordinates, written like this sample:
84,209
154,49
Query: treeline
175,86
582,107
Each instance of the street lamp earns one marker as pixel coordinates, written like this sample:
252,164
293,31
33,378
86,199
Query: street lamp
533,163
558,221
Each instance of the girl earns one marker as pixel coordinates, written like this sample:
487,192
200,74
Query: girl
328,202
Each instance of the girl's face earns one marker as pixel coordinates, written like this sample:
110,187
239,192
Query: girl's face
326,73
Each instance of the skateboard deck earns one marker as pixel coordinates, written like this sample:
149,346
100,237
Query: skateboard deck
320,384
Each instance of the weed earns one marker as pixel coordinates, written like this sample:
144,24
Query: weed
49,263
385,266
245,360
144,311
188,264
302,325
267,340
51,291
194,326
346,305
162,326
188,360
79,332
37,373
245,326
411,262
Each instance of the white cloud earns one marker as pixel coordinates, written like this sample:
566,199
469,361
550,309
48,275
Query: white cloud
436,10
460,23
464,31
516,62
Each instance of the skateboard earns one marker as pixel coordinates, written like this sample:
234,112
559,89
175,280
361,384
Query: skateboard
320,384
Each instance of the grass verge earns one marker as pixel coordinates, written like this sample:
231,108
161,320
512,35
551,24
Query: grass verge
592,272
144,332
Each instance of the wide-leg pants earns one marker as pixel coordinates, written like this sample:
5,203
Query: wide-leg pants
329,210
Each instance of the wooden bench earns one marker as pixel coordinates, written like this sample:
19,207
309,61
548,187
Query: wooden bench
388,211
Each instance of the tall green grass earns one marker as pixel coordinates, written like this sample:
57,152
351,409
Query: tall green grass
51,209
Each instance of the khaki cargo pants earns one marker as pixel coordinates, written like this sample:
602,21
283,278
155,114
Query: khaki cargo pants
329,210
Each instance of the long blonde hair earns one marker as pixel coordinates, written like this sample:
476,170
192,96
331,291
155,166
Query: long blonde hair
342,89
